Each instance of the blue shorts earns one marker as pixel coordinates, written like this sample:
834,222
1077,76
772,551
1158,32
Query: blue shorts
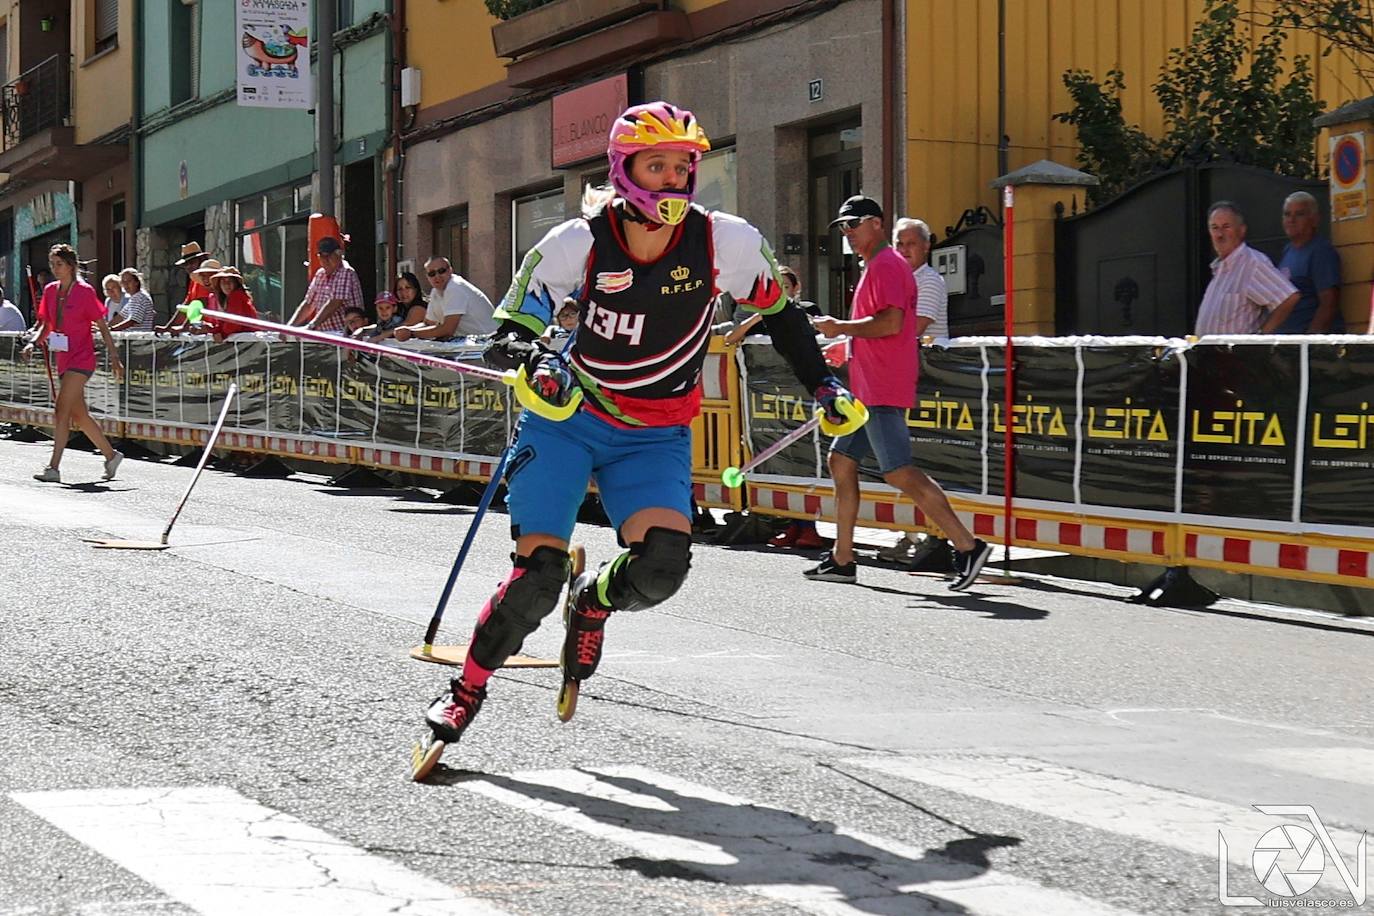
634,469
885,435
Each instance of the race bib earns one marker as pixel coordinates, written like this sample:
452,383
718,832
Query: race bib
57,342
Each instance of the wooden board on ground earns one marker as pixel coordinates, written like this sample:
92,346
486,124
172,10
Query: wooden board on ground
101,544
455,655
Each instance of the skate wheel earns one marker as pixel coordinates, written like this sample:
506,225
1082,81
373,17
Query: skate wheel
424,756
567,700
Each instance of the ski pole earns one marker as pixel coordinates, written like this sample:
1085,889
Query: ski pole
734,477
517,379
205,456
433,629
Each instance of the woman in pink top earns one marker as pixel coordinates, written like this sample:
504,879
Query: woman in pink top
68,309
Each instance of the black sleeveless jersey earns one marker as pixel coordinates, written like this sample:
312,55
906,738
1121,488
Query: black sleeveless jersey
645,327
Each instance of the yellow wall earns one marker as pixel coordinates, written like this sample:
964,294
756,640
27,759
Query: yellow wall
951,48
450,42
102,90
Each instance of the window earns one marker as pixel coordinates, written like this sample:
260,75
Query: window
717,188
4,52
183,50
531,218
106,25
451,238
343,14
272,247
118,228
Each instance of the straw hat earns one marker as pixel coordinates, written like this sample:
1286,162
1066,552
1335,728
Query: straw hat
189,252
211,266
230,272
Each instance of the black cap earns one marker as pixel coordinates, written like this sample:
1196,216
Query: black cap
858,207
328,245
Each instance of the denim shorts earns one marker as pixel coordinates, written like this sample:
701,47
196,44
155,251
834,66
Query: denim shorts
634,469
884,435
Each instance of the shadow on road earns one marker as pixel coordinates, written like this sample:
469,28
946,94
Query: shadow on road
994,610
763,848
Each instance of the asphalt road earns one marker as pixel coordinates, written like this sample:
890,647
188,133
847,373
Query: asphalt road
225,727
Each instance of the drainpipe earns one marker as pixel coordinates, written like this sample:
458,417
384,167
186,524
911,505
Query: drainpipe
396,164
889,138
136,129
324,107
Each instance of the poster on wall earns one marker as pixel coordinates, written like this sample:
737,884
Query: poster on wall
272,54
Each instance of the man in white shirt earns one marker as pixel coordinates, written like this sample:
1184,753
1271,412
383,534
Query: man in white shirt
11,319
1247,294
456,307
911,238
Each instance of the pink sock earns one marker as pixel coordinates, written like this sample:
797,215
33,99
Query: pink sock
475,675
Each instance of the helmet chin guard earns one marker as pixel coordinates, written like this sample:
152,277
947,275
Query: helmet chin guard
656,125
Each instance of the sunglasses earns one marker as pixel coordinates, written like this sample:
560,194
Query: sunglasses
437,273
851,224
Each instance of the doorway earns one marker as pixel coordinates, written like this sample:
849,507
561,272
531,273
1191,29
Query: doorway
360,223
835,156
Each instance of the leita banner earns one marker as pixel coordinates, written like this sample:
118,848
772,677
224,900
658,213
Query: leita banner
947,425
1130,427
1337,483
272,53
1242,430
777,405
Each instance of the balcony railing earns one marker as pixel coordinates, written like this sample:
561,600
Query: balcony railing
38,99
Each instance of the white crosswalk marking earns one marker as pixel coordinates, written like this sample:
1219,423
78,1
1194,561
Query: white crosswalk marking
815,866
1162,816
218,852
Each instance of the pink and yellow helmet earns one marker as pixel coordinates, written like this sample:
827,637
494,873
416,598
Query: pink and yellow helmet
656,125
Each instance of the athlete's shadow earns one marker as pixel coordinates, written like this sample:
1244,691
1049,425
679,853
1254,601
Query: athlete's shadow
761,847
992,610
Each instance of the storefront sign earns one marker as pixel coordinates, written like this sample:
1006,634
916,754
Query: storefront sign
582,119
272,50
1349,199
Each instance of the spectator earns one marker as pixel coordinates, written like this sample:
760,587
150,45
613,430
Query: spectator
334,287
232,296
68,309
138,312
114,297
791,286
564,323
456,307
883,371
11,319
1247,294
911,238
191,258
410,303
388,320
1310,263
355,319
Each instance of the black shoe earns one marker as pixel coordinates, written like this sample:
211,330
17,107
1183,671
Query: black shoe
969,563
830,571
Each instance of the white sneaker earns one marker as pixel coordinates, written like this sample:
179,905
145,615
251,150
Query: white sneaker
112,465
49,475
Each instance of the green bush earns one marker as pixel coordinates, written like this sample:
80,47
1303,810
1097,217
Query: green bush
506,9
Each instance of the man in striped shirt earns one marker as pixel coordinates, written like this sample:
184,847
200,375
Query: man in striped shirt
334,288
911,238
1247,293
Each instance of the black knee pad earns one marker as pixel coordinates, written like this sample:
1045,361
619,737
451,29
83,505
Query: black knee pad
655,570
518,612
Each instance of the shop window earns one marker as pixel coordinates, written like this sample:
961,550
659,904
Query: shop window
118,229
271,248
717,187
531,218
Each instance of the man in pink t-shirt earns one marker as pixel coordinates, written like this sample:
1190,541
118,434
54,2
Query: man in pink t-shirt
882,374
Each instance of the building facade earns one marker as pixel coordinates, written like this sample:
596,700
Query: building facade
241,180
913,102
66,107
